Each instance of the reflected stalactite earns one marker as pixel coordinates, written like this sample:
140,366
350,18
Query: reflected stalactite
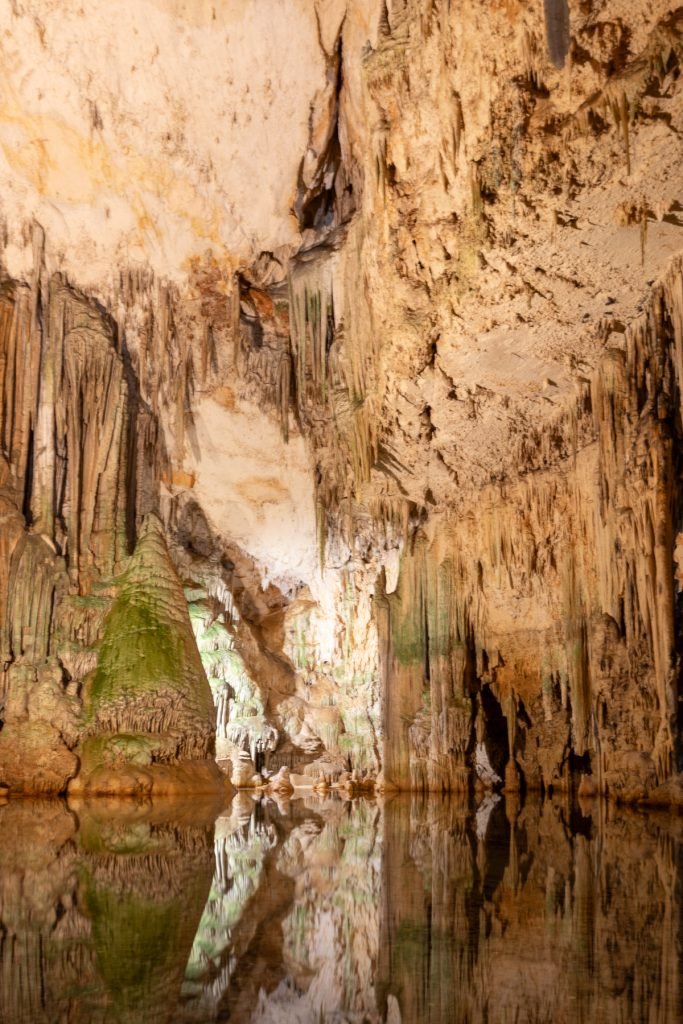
419,909
542,918
39,923
242,843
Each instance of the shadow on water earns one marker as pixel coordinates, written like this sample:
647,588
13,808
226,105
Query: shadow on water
318,909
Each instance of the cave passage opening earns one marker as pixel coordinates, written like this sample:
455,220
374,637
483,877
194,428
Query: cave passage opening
241,722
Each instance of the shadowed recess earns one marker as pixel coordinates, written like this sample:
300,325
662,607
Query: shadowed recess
557,30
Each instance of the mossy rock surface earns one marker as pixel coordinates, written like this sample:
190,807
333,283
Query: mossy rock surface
149,699
111,750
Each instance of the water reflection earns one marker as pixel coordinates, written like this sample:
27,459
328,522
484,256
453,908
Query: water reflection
321,909
99,906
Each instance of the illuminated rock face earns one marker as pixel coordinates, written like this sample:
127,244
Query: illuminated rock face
177,131
487,358
387,328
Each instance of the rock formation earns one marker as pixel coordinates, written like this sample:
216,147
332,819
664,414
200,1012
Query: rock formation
150,720
78,477
65,419
387,330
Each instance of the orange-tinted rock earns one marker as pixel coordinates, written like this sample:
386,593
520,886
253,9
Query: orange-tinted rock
34,759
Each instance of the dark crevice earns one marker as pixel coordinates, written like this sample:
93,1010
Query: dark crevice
496,731
580,764
132,445
522,714
580,824
328,201
28,480
497,851
427,670
557,30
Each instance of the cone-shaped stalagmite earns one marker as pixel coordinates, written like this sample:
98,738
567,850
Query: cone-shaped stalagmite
150,717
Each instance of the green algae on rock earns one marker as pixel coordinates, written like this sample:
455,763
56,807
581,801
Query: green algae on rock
150,721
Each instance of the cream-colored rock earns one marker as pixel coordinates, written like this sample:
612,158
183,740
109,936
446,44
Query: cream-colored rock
281,782
257,490
244,773
147,139
301,781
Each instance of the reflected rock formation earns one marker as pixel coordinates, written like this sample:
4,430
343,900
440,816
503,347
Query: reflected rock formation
548,916
331,935
98,909
416,910
237,908
430,911
427,911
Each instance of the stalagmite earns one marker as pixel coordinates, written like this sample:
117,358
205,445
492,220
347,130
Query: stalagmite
149,714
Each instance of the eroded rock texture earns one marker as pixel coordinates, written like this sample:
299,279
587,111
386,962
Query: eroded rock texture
556,601
408,404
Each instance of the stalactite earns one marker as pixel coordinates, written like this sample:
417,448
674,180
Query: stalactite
81,456
585,542
92,419
335,372
19,374
622,94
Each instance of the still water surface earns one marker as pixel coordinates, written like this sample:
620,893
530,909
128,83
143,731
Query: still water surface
320,909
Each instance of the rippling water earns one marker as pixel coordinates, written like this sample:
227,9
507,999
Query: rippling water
410,910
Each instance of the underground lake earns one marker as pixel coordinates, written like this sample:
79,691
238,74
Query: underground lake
411,909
